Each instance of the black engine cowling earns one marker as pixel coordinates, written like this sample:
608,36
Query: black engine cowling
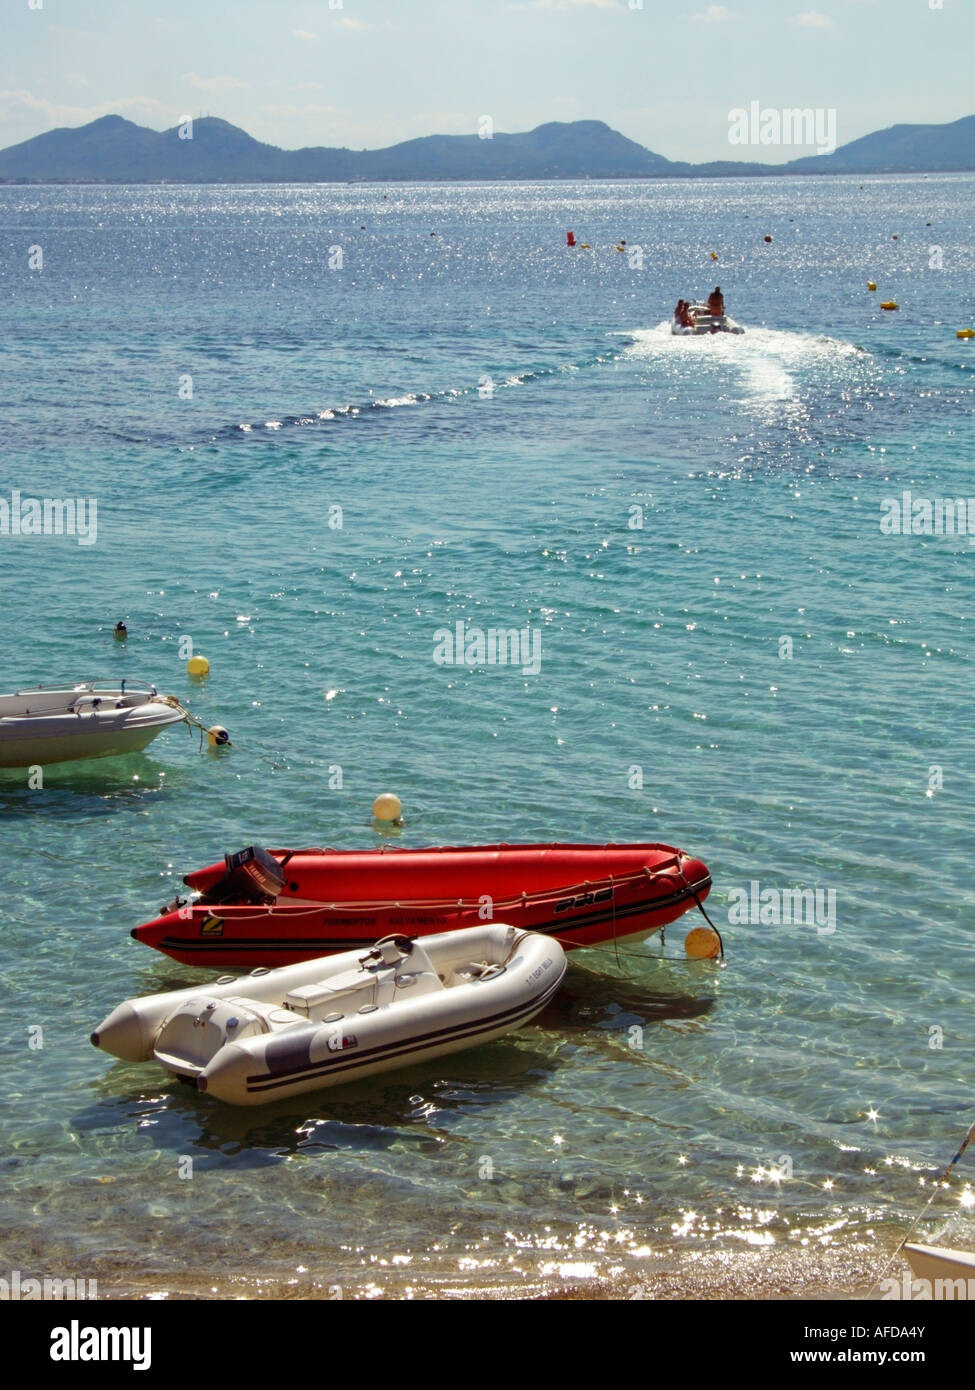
252,876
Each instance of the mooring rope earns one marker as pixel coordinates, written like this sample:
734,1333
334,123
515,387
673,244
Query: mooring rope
937,1185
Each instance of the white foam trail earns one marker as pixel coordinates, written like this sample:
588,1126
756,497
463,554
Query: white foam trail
652,342
765,361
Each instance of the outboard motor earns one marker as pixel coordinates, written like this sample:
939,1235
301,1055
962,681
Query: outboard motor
252,876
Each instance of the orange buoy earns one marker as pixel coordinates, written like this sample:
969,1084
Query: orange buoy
965,333
871,285
387,806
702,943
890,304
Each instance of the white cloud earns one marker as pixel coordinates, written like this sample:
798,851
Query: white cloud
353,24
77,79
812,19
211,84
305,35
715,14
22,108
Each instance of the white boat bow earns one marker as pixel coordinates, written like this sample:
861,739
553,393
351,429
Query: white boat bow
933,1262
61,723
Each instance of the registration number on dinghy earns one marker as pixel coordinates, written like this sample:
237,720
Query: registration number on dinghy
584,900
540,971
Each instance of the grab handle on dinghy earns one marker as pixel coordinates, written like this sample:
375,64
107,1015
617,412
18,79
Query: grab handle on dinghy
403,944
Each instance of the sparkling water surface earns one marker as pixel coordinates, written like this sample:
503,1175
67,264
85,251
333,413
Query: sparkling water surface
491,411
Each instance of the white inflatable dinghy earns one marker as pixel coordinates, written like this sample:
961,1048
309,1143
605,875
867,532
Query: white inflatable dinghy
279,1033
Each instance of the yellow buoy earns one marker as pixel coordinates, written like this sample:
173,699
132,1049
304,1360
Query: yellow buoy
890,304
387,806
217,737
702,943
965,333
197,666
714,255
871,285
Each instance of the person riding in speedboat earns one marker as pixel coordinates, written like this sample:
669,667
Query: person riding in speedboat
683,315
716,303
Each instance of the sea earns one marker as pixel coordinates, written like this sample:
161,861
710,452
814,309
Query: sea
311,427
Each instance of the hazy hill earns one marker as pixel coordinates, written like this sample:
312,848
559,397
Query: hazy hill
114,150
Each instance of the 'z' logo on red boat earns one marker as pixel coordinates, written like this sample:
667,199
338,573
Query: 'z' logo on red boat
583,900
212,925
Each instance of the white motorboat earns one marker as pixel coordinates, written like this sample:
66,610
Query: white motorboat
279,1033
705,322
934,1262
59,723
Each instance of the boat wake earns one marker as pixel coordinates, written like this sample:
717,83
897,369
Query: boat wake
799,348
771,365
476,390
765,360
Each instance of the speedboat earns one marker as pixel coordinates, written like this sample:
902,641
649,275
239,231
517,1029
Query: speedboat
61,723
705,322
274,907
279,1033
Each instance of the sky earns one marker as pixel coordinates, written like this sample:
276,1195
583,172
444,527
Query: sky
369,73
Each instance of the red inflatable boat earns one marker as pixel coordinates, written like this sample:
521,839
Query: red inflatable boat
275,907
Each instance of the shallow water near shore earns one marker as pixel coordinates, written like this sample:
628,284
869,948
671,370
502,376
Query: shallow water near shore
493,415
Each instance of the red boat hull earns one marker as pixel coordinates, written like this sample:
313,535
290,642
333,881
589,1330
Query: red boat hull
338,900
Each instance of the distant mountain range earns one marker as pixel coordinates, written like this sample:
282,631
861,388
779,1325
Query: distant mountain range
114,150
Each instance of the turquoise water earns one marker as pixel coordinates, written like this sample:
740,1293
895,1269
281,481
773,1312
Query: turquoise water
487,409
